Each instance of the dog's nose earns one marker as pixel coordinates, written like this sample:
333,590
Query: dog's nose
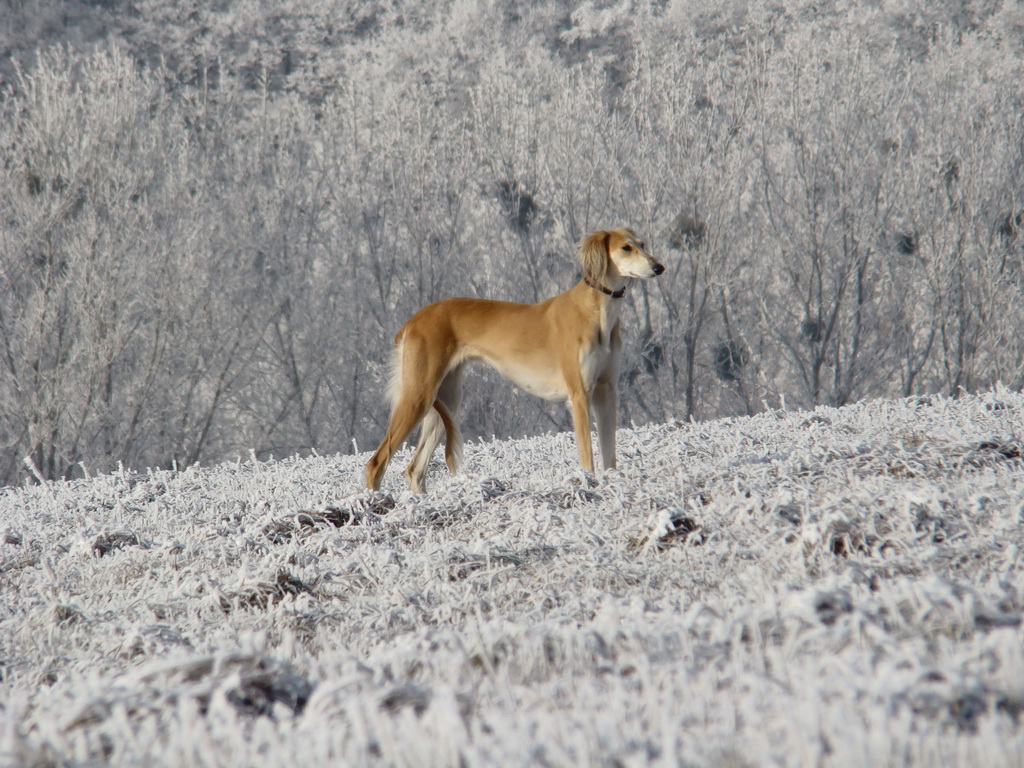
658,269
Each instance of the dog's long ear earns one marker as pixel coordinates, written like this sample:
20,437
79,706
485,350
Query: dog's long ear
593,254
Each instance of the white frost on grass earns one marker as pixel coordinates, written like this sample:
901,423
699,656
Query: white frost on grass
835,588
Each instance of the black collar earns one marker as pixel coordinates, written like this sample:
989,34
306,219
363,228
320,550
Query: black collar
607,291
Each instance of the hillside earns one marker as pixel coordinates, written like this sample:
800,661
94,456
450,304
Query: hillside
828,588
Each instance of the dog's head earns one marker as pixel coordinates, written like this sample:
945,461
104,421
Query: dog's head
617,253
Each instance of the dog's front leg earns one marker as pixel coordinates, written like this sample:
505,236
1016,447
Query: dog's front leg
606,406
581,422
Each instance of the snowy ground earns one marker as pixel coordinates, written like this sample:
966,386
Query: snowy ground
836,588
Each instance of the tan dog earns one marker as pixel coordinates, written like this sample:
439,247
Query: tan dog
566,347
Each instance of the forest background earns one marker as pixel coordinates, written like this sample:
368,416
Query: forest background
215,216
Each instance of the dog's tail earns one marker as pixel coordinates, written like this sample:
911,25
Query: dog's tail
394,390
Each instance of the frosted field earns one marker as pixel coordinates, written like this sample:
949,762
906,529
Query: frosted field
836,588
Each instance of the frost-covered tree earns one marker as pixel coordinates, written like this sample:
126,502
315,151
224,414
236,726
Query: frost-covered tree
214,226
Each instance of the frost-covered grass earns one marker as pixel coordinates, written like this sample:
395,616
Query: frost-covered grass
835,588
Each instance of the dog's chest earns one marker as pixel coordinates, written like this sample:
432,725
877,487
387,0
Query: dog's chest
600,358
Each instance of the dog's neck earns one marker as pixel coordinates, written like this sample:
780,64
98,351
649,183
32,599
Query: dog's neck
618,294
605,302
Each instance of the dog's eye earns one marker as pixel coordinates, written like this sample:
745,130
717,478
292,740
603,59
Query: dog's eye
627,247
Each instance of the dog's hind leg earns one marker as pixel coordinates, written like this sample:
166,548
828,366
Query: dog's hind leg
406,415
416,385
449,398
430,435
437,422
